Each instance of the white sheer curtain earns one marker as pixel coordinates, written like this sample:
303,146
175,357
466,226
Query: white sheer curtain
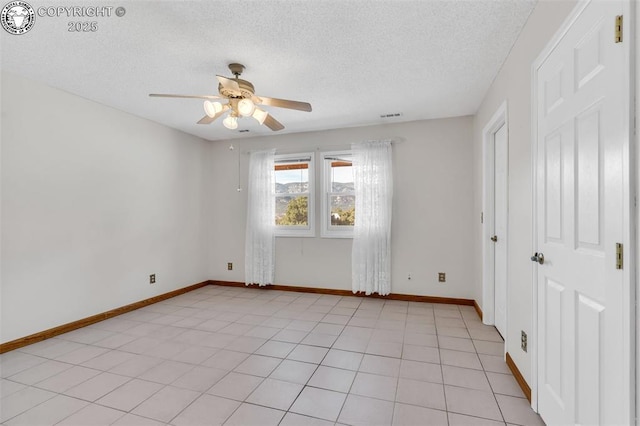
260,241
373,181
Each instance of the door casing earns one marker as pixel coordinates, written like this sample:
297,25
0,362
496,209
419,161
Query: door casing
500,118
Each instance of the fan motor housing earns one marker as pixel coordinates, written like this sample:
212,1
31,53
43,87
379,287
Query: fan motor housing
246,90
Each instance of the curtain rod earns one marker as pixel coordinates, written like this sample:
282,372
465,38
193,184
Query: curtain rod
394,141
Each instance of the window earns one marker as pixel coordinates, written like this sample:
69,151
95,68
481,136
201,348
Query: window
294,195
338,201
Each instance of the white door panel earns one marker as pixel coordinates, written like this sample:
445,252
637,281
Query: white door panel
580,170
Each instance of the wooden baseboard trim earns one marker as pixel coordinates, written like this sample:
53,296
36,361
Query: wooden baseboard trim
65,328
518,376
392,296
478,309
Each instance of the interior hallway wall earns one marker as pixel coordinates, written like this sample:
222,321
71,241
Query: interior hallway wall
513,84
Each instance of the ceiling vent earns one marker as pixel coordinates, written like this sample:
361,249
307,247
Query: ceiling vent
392,115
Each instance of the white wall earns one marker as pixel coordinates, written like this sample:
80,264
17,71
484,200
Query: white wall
513,84
93,201
432,216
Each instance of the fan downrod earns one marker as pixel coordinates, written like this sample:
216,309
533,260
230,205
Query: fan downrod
236,69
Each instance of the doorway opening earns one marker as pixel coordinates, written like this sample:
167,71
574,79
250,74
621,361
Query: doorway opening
495,220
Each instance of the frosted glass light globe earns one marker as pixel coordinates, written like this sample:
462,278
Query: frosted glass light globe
230,122
212,108
246,107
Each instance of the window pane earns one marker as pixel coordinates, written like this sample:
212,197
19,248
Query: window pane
341,177
292,181
292,211
343,208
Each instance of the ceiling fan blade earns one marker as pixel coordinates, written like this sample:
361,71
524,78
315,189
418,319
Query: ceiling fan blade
167,95
208,120
272,123
228,84
283,103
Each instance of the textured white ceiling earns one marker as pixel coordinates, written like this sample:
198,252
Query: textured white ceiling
353,60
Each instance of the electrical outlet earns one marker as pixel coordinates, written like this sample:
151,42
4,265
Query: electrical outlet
523,340
229,266
442,277
152,279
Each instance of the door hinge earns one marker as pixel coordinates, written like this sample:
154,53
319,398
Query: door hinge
618,29
619,254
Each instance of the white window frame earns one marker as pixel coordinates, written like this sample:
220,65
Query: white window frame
327,230
310,229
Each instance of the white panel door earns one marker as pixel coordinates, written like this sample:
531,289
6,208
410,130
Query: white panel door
500,163
581,153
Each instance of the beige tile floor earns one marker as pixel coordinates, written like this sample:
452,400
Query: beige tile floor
239,356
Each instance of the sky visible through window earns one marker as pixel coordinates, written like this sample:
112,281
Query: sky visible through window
341,174
289,176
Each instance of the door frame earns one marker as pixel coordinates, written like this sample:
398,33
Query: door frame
629,195
635,81
500,118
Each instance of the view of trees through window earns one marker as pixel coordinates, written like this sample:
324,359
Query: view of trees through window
341,193
292,194
295,211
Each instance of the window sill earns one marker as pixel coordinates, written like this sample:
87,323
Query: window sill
337,235
302,233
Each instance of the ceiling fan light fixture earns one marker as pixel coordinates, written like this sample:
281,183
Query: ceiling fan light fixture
240,101
231,122
212,108
246,107
260,115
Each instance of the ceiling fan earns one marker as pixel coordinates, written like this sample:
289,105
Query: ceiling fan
242,102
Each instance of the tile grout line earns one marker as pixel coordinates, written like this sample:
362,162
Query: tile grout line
444,392
354,378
